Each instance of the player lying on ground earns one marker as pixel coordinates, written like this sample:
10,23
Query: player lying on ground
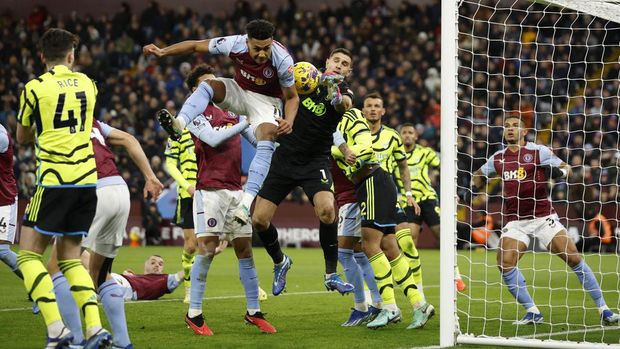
263,75
525,169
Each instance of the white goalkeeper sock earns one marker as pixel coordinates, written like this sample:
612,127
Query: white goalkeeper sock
533,309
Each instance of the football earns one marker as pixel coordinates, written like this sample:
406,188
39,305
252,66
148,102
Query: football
306,77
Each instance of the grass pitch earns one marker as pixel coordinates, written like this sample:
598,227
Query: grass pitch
307,316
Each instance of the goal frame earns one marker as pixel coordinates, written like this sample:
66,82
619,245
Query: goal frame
449,326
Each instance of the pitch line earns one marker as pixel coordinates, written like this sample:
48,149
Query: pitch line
306,293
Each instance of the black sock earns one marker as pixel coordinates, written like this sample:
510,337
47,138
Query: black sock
328,236
269,238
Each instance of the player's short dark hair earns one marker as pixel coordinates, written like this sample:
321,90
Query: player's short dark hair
342,50
407,124
260,29
375,95
192,78
521,120
56,43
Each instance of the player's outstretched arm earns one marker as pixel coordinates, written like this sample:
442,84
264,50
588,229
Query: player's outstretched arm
291,105
170,166
181,48
152,186
206,133
25,135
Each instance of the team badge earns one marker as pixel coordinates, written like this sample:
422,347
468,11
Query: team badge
212,222
528,157
268,73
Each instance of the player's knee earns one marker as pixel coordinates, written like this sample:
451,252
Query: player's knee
260,223
189,248
506,261
327,215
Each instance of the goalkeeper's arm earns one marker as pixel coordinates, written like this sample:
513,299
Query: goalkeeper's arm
556,172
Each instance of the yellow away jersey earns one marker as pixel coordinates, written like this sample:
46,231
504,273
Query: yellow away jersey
419,160
356,133
60,104
183,151
387,144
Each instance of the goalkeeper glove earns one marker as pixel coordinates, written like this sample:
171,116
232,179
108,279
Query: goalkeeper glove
553,172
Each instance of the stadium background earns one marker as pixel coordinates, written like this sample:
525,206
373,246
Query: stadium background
397,52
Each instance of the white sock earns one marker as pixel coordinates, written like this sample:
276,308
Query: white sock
602,308
369,297
361,307
534,310
55,329
179,123
194,312
327,276
390,307
92,331
253,311
247,199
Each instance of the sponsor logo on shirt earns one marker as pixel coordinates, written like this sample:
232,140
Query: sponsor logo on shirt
518,174
254,79
317,108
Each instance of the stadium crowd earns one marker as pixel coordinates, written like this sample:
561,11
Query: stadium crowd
402,57
397,52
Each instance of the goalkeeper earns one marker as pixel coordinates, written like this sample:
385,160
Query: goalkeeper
525,169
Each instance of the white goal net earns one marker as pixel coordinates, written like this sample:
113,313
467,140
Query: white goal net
555,65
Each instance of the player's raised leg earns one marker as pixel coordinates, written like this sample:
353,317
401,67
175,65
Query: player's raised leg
407,245
565,248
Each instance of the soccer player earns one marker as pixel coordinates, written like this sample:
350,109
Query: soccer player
376,195
58,106
525,169
354,261
264,74
180,153
105,235
419,160
218,150
302,159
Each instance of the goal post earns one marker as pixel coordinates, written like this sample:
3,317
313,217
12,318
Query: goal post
555,64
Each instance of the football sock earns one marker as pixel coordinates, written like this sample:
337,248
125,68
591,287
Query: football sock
187,259
40,287
516,285
328,237
68,309
589,283
83,291
403,276
353,273
383,276
369,276
10,259
406,244
114,307
269,238
200,269
249,280
195,105
259,167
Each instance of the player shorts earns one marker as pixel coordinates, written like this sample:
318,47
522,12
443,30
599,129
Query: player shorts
350,220
429,213
214,211
62,211
284,175
256,107
8,221
106,233
543,228
184,216
376,196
